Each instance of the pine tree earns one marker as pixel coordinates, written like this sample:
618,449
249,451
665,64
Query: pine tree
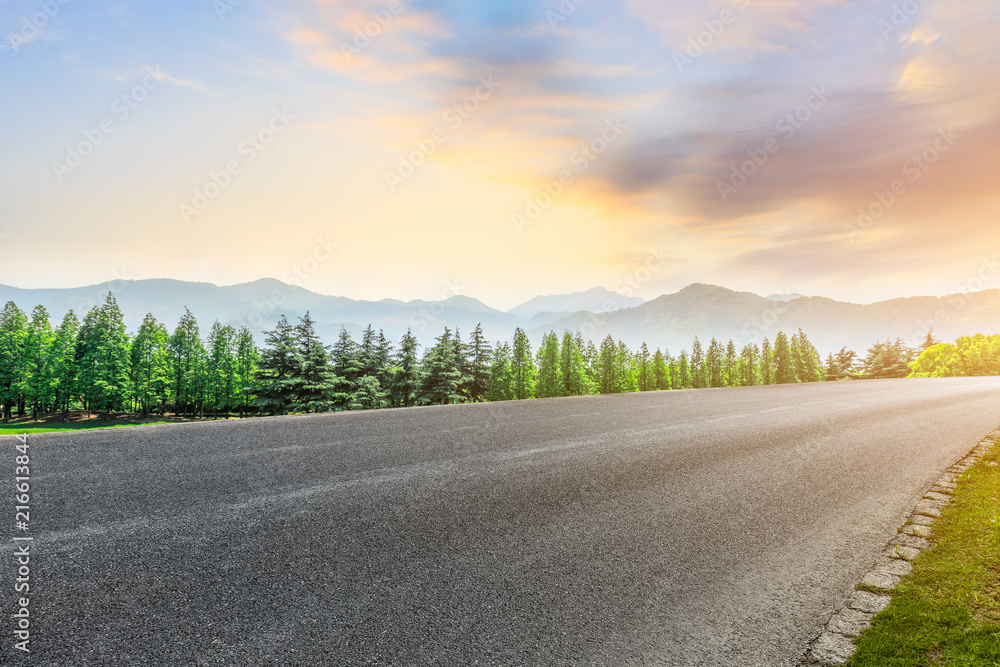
766,363
442,376
607,366
696,361
187,354
929,340
348,364
784,363
63,356
150,364
645,376
549,373
522,366
317,386
103,358
841,365
730,376
463,364
627,368
808,367
407,377
748,366
501,375
683,379
573,375
713,364
277,370
661,370
221,371
247,362
480,356
383,361
37,388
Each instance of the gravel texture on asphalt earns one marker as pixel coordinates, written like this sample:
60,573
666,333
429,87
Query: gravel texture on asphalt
707,527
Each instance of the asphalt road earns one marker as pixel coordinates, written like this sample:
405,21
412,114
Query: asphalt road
708,527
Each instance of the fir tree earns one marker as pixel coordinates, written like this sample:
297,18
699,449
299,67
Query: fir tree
37,370
766,374
186,354
549,374
608,366
730,375
247,362
407,377
317,386
522,366
571,367
713,364
221,368
784,363
442,376
150,364
278,367
699,377
480,355
63,361
501,375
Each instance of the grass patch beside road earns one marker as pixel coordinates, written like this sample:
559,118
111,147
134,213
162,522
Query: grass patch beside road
947,611
79,421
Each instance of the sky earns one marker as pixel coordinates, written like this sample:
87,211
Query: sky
503,149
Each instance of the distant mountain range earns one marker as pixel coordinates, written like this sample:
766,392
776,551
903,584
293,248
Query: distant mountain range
594,300
670,321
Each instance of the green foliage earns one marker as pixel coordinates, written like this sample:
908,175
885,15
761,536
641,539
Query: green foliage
187,358
501,375
13,364
888,360
62,362
522,366
841,365
406,376
549,382
784,360
150,361
969,355
278,366
102,356
442,373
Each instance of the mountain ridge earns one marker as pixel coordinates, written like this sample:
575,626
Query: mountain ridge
669,321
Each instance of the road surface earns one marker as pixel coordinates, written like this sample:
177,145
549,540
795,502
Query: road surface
707,527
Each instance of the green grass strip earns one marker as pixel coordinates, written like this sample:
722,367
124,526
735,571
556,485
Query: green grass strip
947,611
14,429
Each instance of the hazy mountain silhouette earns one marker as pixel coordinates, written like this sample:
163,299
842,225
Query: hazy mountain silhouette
670,321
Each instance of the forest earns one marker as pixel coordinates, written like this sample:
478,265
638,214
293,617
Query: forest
96,365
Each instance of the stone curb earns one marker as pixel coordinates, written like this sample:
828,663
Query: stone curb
836,644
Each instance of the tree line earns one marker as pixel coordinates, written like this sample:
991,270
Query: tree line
96,365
